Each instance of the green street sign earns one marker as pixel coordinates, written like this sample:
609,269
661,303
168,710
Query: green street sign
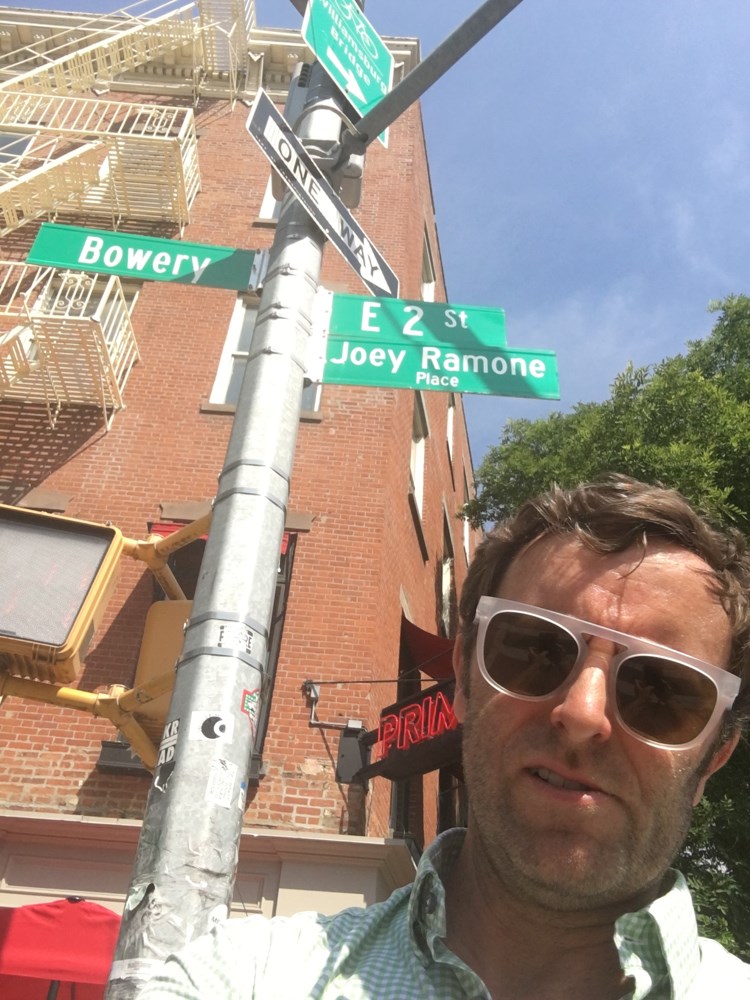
435,323
349,50
145,258
406,344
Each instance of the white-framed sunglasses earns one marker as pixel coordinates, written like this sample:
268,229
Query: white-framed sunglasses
661,696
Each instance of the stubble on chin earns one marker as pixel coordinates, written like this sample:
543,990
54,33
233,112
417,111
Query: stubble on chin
568,869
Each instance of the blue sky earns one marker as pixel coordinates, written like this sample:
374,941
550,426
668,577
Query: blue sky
591,168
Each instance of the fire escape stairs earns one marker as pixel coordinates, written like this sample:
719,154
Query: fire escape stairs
67,340
66,337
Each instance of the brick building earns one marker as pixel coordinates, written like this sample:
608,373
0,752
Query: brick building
116,403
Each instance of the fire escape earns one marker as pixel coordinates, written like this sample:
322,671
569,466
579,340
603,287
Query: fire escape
67,150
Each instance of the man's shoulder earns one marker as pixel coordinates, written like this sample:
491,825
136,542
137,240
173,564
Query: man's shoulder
312,927
304,955
721,973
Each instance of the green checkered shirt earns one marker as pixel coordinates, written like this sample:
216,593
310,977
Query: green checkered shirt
394,950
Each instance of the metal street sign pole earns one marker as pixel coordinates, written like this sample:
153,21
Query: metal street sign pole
415,83
185,865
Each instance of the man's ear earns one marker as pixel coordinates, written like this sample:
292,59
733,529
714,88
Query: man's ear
459,698
717,761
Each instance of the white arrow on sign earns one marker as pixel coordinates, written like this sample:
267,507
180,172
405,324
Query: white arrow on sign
353,89
300,173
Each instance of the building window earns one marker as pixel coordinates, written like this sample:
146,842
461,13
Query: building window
234,355
450,424
416,464
80,293
269,206
12,145
226,387
428,272
467,526
448,606
453,802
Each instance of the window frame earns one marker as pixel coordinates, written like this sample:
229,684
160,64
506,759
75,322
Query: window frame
230,369
420,431
428,285
244,310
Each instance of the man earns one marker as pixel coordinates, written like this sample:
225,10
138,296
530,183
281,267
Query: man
604,634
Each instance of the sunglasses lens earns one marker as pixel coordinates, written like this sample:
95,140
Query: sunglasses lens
527,655
664,701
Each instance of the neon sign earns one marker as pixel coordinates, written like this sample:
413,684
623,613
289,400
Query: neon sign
428,716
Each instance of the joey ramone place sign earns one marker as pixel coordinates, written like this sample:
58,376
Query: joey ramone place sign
407,344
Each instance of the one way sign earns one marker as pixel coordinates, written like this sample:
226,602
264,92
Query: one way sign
294,165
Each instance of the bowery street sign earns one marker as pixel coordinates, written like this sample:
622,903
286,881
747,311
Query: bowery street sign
146,257
299,172
402,344
349,50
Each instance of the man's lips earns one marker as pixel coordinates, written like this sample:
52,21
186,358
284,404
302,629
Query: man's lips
557,779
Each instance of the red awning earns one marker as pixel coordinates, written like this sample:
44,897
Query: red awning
432,654
66,941
167,528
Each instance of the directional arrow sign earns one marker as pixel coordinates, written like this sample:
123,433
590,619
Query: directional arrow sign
349,50
146,257
298,170
403,344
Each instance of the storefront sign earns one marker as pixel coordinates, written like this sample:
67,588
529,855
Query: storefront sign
429,716
415,735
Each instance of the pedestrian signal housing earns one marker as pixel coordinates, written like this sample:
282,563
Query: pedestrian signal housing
57,576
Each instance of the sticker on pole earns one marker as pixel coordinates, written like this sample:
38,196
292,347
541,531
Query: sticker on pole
216,726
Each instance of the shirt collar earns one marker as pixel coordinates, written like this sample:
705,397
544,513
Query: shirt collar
657,945
427,924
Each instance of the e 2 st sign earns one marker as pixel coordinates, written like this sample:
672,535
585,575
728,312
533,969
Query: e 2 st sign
436,323
407,344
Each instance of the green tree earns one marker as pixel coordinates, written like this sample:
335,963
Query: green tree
684,422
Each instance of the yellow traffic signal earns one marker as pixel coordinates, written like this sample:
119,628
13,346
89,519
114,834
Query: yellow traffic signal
57,576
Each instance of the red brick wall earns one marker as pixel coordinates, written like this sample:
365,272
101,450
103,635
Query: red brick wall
351,473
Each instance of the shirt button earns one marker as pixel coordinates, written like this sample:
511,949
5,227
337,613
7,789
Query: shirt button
430,903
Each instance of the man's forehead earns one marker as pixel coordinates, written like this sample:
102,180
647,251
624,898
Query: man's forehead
659,591
566,560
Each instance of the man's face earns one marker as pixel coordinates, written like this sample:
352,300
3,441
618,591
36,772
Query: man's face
611,840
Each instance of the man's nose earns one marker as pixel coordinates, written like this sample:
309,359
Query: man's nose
581,711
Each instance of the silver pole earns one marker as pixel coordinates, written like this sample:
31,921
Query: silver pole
185,864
